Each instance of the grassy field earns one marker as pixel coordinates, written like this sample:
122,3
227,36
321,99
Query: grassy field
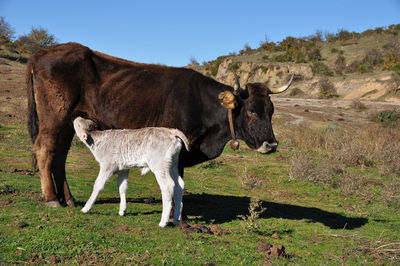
331,195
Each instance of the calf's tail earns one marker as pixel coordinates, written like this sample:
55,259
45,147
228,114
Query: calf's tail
183,138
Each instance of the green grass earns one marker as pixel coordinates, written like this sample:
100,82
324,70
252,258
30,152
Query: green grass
316,223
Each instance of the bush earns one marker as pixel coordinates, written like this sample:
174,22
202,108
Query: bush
285,57
353,66
392,56
320,68
314,54
327,89
213,66
389,117
193,61
373,57
300,58
246,50
396,68
340,64
362,68
233,66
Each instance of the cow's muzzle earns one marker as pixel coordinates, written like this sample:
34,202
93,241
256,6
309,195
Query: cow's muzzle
267,147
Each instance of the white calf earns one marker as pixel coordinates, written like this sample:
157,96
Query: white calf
153,148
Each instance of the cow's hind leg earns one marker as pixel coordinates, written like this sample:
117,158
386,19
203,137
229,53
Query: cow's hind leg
44,152
58,168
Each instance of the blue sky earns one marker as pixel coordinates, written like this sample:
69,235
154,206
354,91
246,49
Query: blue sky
170,32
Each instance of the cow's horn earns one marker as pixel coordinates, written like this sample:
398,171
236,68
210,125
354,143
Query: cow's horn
236,86
283,88
237,90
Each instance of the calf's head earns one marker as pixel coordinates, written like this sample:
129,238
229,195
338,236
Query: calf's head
253,111
82,127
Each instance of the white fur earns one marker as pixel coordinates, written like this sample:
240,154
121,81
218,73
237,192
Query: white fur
155,149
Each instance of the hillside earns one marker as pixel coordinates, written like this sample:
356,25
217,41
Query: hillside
347,65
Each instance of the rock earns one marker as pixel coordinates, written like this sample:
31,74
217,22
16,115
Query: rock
276,236
275,251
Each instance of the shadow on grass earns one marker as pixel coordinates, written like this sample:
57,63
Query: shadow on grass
220,209
117,200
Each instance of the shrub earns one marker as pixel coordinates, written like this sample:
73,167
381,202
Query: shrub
344,35
373,57
352,67
396,68
233,66
362,68
300,58
334,50
251,180
246,50
358,105
389,117
327,89
215,66
285,57
320,68
193,61
304,167
251,221
391,193
340,64
314,54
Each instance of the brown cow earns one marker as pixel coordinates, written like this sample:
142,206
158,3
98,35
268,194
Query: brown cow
70,79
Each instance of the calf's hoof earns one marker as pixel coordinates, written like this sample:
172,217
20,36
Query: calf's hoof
163,224
53,203
85,210
121,213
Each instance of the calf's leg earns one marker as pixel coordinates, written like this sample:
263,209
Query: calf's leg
101,180
167,190
178,192
122,187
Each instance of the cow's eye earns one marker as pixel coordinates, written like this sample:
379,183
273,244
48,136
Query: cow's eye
251,113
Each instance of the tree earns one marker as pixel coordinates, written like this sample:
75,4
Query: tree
41,38
36,39
6,32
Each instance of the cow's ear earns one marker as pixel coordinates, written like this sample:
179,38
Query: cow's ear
228,100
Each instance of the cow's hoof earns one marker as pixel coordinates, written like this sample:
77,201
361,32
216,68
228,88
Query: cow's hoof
53,203
70,202
121,213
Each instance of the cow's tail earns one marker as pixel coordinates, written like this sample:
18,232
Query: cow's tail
182,137
33,120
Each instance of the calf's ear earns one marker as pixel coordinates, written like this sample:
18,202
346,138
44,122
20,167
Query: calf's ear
228,100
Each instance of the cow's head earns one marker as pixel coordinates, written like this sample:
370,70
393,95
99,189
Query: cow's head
253,110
